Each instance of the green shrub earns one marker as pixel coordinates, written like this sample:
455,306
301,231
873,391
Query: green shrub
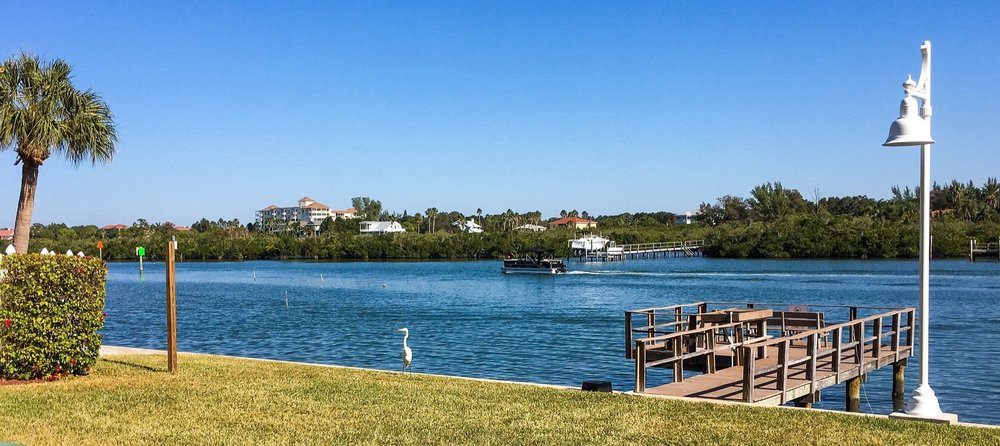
51,308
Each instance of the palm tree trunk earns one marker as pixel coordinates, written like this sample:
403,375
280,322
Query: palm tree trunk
25,205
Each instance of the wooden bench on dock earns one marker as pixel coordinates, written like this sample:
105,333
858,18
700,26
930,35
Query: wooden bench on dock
788,323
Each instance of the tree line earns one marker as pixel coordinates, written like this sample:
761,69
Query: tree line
773,222
777,222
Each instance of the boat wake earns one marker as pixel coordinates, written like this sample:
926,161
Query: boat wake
736,275
622,273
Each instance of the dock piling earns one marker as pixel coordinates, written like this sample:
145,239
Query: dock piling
854,394
898,385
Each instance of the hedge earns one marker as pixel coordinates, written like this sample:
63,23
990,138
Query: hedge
51,309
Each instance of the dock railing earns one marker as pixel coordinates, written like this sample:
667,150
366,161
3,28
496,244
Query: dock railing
661,246
866,338
688,345
658,320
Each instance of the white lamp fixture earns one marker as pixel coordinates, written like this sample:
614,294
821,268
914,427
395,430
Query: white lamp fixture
910,129
913,130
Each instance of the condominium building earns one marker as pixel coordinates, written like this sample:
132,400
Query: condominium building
309,212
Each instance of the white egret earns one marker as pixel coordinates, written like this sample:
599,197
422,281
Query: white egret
407,352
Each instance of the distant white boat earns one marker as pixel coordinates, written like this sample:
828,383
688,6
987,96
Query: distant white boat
588,243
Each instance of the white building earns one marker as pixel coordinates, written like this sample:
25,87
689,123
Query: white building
530,227
309,212
686,218
470,227
381,227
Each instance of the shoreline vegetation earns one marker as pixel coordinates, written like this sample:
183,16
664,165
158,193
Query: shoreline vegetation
775,222
132,400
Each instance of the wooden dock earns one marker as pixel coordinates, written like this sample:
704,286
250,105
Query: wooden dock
989,250
755,353
614,252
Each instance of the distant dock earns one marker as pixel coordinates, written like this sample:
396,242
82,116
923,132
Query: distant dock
989,250
614,252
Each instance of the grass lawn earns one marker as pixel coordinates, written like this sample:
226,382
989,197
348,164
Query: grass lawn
131,400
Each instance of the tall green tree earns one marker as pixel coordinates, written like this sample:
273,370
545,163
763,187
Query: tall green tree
770,202
42,113
728,208
367,208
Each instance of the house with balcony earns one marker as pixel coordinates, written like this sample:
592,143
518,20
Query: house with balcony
308,213
469,227
381,227
687,217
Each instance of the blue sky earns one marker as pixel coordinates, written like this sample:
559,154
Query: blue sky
226,107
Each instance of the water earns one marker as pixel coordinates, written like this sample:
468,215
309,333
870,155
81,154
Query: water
467,319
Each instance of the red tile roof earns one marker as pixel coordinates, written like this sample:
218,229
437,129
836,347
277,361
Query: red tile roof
316,205
273,206
568,220
119,226
6,234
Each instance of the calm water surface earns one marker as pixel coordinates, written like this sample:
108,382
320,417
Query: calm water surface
467,319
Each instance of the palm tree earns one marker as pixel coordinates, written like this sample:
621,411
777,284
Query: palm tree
991,193
42,113
431,216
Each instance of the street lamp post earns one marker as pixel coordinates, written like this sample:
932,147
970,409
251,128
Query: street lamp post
913,129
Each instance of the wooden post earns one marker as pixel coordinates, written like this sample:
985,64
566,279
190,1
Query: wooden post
783,370
877,333
852,315
171,310
898,385
640,366
854,394
650,322
678,347
838,336
749,373
811,365
628,335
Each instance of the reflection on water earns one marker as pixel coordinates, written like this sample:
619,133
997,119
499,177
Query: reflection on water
467,319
